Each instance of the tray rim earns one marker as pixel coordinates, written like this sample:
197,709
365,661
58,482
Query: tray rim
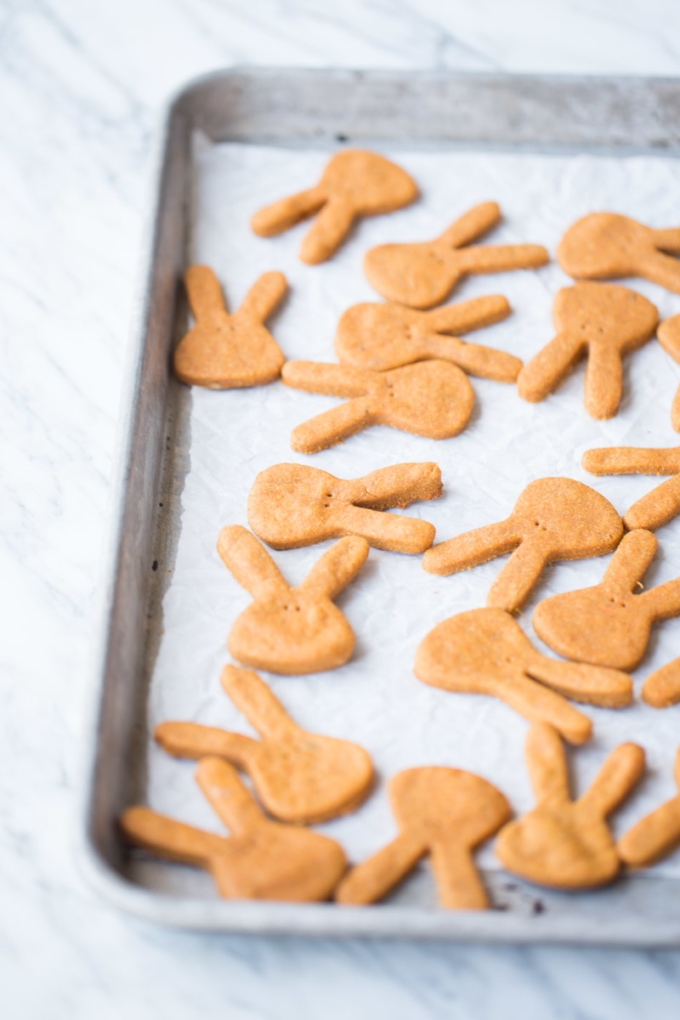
327,919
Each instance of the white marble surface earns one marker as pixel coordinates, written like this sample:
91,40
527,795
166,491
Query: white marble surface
81,87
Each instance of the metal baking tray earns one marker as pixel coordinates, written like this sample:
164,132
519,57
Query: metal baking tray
318,108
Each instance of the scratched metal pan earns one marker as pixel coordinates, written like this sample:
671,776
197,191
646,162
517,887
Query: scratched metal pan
315,108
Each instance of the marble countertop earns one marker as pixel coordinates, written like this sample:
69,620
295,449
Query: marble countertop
82,88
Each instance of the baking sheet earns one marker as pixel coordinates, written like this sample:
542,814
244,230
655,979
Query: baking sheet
375,699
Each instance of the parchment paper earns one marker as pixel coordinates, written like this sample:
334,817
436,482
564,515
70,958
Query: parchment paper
375,699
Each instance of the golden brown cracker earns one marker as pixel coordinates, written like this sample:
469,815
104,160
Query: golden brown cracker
299,776
609,624
605,245
442,812
355,183
656,835
261,860
293,505
223,351
382,337
422,275
601,321
553,519
660,505
431,398
485,651
290,630
567,844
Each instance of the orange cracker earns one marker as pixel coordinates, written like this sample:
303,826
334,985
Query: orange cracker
422,275
656,835
355,183
442,812
605,245
293,505
485,651
381,337
567,844
431,398
605,322
261,860
609,624
223,351
299,776
660,505
553,519
290,630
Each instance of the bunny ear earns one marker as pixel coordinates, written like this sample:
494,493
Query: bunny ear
547,766
471,225
251,696
227,795
263,297
336,568
204,293
167,838
282,215
249,562
631,560
615,780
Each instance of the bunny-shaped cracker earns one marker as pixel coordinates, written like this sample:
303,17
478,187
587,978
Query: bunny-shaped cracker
431,398
355,183
422,275
656,835
292,505
299,776
668,335
608,624
442,812
485,651
262,860
605,245
223,351
290,630
562,843
553,519
660,505
603,320
381,337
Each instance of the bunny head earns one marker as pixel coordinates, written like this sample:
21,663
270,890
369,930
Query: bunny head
290,630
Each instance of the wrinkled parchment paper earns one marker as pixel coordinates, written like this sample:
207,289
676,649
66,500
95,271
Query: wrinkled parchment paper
375,699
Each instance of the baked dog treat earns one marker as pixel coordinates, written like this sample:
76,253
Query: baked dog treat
668,335
261,860
423,275
660,505
605,322
223,351
292,505
656,835
431,398
299,776
609,624
381,337
355,183
567,844
661,689
485,651
605,245
290,630
553,519
442,812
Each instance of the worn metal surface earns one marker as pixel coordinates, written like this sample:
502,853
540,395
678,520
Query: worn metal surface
306,108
